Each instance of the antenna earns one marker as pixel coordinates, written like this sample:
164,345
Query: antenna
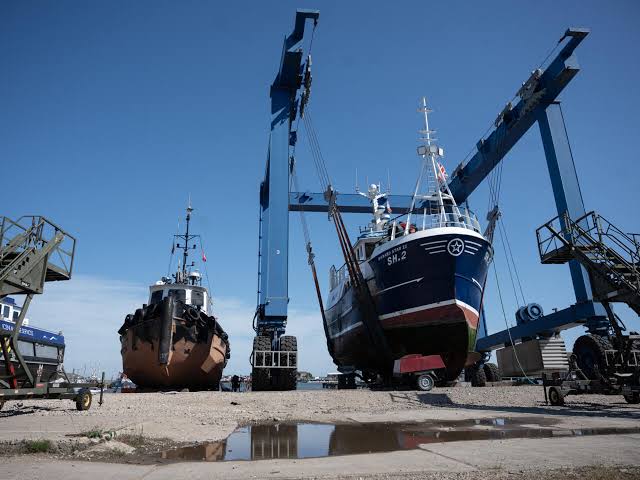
388,181
357,186
425,132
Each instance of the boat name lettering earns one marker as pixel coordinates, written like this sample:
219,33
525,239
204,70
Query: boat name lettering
24,331
396,254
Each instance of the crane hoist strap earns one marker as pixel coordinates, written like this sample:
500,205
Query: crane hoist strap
370,317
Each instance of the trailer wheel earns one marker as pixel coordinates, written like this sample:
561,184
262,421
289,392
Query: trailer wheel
476,376
633,397
425,382
555,397
492,372
83,400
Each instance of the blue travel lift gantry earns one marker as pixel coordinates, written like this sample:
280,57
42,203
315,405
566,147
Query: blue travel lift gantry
602,260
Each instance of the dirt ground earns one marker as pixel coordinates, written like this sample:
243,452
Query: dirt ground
132,428
202,416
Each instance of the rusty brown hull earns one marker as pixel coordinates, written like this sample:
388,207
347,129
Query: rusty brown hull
171,345
191,365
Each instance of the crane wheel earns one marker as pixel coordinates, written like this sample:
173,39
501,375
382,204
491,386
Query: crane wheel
83,400
2,402
590,355
556,398
492,372
260,376
289,376
632,398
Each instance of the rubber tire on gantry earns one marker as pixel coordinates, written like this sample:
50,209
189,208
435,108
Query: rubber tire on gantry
476,376
556,398
590,355
346,381
83,400
260,376
425,382
289,376
632,398
492,372
2,402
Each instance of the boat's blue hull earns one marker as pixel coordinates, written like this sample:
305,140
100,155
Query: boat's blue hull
428,290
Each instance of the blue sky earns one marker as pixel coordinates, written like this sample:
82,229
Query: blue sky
114,112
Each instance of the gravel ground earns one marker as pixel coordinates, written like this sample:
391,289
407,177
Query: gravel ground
584,473
153,422
200,416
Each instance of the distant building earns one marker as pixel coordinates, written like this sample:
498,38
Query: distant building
304,376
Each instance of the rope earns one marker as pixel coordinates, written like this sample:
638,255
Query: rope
504,248
316,153
515,269
206,273
504,316
173,242
303,218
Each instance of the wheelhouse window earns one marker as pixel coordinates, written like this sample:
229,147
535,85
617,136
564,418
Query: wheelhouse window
26,348
46,351
15,315
156,297
369,248
197,298
178,294
5,311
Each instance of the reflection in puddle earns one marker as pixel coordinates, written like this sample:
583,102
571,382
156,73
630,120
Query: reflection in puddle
305,440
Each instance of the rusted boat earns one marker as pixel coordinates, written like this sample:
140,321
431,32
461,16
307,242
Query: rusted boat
175,341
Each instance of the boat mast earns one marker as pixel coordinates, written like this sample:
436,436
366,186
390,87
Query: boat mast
430,152
181,275
185,252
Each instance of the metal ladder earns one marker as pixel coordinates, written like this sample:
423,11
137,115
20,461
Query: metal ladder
611,256
33,251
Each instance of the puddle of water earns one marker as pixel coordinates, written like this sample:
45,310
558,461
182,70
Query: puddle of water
306,440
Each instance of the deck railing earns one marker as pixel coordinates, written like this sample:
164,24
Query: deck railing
423,219
35,231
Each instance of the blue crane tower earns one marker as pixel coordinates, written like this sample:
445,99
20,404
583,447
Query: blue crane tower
604,263
274,356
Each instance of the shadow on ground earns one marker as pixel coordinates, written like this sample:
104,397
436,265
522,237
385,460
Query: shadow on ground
578,409
19,409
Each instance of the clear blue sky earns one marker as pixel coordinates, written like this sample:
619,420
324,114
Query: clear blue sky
113,112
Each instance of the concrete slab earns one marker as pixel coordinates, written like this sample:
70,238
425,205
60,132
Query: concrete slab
508,455
551,453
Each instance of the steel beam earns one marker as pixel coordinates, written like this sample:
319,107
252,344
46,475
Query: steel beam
554,322
348,203
517,121
568,198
